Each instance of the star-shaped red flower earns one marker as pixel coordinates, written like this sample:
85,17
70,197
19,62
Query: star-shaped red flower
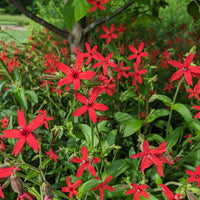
138,190
85,163
71,187
168,193
74,75
24,133
194,176
89,105
151,156
97,4
137,74
104,62
103,186
137,53
184,69
109,33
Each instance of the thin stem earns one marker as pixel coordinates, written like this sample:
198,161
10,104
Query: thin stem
41,174
92,134
172,104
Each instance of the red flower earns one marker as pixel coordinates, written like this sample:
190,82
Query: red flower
24,133
107,86
5,122
26,195
52,155
137,53
138,190
104,62
121,70
137,74
168,193
76,74
5,172
198,114
195,176
169,87
184,69
109,34
1,193
150,157
91,53
97,4
89,105
71,188
43,113
194,92
121,29
85,163
103,186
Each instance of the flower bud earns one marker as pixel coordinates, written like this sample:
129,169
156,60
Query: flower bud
5,185
46,188
16,184
191,196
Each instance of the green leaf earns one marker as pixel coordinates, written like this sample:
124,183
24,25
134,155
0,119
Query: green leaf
45,162
183,111
2,83
173,136
155,137
86,130
109,141
31,174
126,95
74,10
195,124
193,10
117,168
166,100
132,127
34,191
145,2
123,118
20,96
87,186
156,114
32,96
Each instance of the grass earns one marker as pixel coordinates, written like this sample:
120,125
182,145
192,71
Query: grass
19,36
7,19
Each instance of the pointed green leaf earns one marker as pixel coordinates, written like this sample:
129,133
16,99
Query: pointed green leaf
20,96
156,114
173,136
127,95
86,130
75,10
87,186
166,100
123,118
132,127
183,111
32,96
117,168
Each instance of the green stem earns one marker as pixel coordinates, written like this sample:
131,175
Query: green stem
41,174
92,132
172,104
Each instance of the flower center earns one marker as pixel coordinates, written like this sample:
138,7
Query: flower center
25,132
138,190
196,176
75,75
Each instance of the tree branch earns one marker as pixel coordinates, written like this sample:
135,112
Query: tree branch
37,19
102,20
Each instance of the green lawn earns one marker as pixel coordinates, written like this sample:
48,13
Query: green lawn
20,36
11,35
14,19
